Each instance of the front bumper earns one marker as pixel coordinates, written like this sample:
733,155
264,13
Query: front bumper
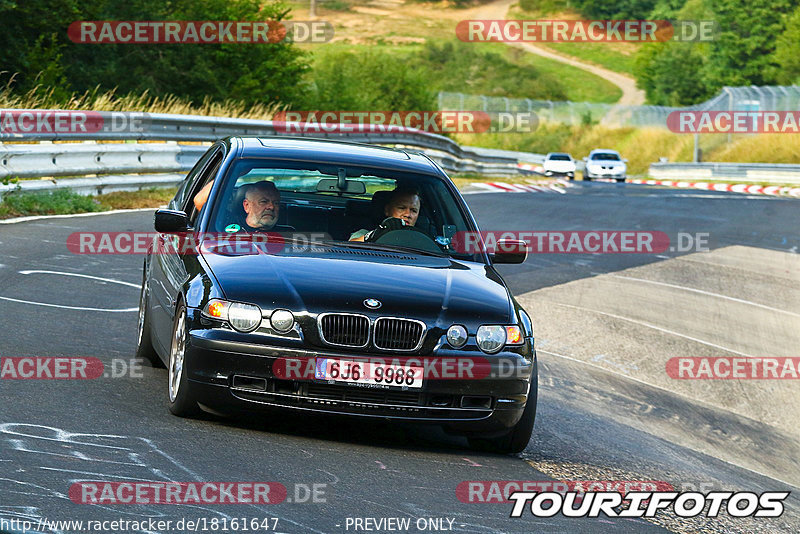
606,174
552,172
227,373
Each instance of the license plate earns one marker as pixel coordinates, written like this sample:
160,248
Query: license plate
368,374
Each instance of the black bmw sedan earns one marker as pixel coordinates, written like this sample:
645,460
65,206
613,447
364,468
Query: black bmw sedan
323,276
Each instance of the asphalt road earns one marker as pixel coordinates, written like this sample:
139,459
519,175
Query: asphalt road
609,418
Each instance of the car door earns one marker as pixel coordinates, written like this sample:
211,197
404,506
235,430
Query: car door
168,271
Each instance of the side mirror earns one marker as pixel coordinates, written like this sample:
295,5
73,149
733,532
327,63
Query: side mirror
171,221
585,158
624,161
510,251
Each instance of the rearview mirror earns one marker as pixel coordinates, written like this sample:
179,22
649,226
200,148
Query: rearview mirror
331,185
171,221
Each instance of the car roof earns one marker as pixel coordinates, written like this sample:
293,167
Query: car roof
334,152
604,150
558,154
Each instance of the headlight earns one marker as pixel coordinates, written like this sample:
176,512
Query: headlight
491,338
243,317
282,320
457,336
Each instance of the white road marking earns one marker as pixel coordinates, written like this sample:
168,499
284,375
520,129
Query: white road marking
121,310
654,327
80,308
36,271
677,394
700,291
91,214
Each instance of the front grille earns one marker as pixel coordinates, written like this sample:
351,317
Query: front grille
397,334
363,395
344,329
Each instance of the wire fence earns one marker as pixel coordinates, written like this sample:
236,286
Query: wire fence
753,98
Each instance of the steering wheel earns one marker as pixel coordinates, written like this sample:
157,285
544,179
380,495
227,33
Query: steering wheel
411,237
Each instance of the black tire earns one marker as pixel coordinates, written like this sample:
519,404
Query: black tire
620,180
144,345
586,178
518,437
180,399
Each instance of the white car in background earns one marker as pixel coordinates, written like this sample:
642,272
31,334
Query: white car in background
605,163
559,164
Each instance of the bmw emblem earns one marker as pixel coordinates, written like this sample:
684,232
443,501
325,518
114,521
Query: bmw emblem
372,304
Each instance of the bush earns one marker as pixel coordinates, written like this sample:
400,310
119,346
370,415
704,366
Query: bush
371,80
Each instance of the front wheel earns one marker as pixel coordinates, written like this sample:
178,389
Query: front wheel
518,437
144,345
620,180
180,400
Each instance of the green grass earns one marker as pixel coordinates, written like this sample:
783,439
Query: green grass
17,204
65,201
597,53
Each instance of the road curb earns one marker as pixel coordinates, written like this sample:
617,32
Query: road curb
750,189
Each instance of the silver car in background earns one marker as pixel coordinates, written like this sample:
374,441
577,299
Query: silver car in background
605,163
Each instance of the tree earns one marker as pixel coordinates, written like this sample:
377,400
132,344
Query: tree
744,51
787,51
254,73
671,74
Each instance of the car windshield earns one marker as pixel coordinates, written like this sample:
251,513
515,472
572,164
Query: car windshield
606,156
310,207
558,157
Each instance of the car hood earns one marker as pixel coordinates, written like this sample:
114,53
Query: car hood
559,165
437,290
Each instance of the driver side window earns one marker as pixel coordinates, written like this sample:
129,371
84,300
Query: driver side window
205,177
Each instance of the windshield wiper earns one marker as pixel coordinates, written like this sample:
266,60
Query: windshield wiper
388,248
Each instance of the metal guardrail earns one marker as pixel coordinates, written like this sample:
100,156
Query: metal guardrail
742,172
110,161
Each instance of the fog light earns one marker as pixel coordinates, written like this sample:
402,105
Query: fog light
457,336
282,320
